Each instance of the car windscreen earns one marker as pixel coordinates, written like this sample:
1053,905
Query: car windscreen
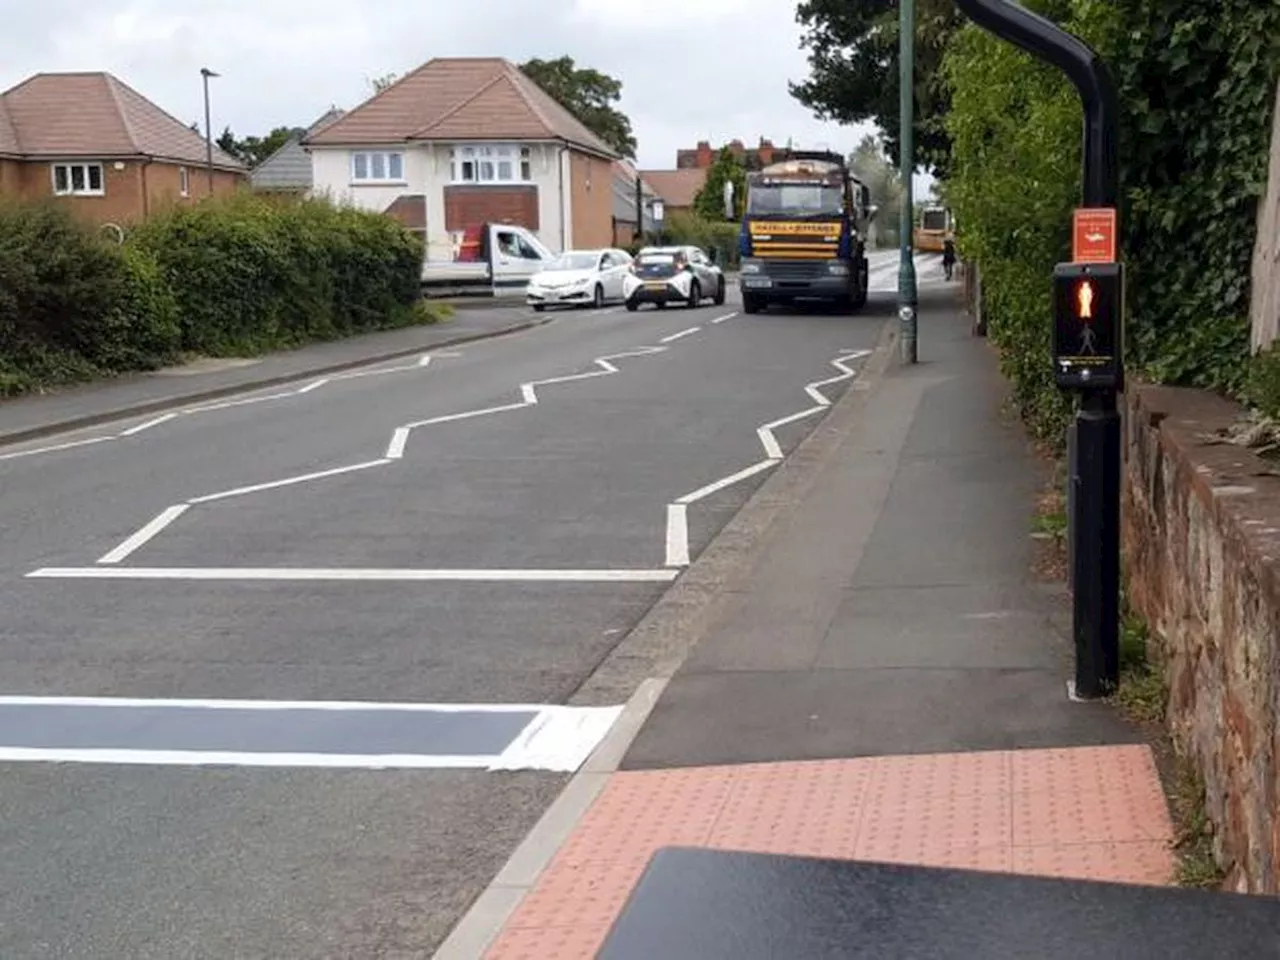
795,200
575,261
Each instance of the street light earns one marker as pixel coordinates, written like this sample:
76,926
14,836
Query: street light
206,73
907,297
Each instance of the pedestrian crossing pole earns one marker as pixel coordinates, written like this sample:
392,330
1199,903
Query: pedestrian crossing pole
907,294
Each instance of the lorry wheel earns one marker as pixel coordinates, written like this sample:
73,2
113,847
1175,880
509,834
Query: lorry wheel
750,304
695,293
719,298
597,298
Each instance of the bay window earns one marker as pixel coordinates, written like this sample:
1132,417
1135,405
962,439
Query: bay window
492,163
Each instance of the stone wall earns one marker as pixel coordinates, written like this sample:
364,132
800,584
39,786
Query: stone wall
1201,534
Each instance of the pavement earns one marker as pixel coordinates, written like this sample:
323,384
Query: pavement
290,670
880,679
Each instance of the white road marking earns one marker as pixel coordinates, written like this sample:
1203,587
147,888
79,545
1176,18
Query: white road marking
289,481
395,449
54,448
676,336
133,431
677,520
162,520
424,360
729,481
727,316
322,574
677,535
556,738
313,385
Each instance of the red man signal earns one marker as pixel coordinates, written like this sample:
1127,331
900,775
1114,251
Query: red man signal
1084,300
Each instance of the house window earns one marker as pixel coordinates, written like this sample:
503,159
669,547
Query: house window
78,179
184,182
492,163
377,167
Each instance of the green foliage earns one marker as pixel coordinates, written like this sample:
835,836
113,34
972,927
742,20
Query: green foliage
870,164
589,95
1195,88
853,69
239,276
709,203
1262,382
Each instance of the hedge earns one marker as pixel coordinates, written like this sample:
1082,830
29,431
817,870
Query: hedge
238,276
1196,84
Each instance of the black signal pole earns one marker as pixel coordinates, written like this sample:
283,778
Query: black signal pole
1095,507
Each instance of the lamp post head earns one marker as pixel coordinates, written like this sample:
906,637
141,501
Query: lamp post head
206,73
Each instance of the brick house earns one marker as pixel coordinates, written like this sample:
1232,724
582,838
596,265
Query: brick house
104,149
464,141
677,188
752,158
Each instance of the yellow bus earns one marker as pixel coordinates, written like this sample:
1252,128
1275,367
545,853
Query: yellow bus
935,225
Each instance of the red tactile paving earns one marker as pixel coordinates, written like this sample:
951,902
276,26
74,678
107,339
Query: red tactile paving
1089,813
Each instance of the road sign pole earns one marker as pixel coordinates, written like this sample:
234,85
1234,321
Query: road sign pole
1095,517
908,300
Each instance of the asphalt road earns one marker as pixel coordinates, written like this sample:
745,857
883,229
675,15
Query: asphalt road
141,861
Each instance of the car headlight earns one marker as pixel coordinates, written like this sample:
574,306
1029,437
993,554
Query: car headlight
749,266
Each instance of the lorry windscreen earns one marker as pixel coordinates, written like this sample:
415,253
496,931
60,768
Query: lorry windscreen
808,200
934,220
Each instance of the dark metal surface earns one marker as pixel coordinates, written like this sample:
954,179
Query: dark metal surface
714,905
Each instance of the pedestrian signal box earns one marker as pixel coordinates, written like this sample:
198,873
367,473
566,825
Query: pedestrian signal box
1088,325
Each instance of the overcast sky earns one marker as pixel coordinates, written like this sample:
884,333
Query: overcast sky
691,70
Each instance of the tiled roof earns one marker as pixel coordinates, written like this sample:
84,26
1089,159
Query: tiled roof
8,136
476,98
95,115
677,188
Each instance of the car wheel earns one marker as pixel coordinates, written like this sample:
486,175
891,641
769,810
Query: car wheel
661,304
719,298
695,293
539,307
632,306
597,298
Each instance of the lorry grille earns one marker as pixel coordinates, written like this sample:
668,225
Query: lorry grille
796,269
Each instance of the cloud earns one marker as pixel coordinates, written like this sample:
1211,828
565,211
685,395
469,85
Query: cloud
711,71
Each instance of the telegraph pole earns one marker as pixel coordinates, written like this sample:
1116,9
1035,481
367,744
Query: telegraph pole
206,73
907,294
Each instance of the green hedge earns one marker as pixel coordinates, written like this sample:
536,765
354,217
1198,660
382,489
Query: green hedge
229,277
684,228
1196,84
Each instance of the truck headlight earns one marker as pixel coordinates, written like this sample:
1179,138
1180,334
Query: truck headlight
837,269
749,266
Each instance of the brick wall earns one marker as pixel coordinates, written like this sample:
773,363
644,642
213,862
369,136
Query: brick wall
591,200
10,178
1201,534
466,206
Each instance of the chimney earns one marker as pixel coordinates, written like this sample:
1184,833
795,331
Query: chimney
737,148
704,153
765,152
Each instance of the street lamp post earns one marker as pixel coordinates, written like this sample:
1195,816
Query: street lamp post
206,73
907,296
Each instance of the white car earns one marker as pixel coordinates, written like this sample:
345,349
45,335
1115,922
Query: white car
662,275
582,278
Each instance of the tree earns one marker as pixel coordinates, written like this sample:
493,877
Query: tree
253,150
589,95
709,203
853,63
381,83
871,165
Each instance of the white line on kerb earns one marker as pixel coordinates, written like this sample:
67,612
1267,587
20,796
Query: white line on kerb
132,431
162,520
676,336
313,385
348,575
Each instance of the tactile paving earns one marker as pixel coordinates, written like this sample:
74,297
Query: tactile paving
1093,813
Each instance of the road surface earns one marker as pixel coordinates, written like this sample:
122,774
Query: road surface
279,673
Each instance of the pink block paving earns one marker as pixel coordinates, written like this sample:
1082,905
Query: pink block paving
1094,813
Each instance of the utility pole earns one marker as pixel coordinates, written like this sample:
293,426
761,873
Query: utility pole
206,73
639,208
1095,471
907,295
